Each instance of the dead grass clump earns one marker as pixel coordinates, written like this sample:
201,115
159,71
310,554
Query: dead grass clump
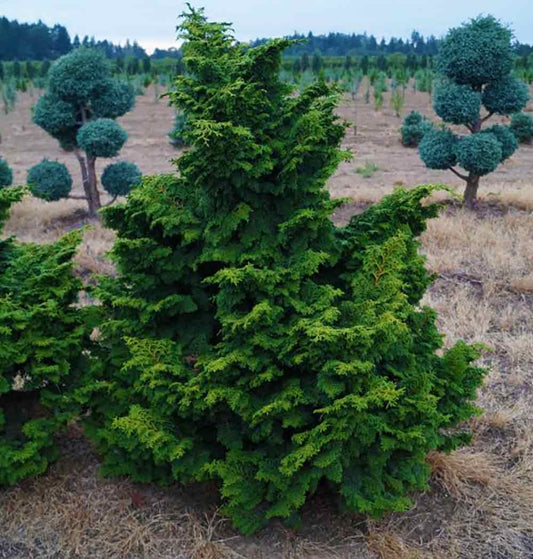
385,544
457,471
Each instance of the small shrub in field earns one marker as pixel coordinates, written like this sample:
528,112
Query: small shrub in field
397,102
367,170
522,127
415,126
248,340
119,178
6,174
41,335
49,180
475,62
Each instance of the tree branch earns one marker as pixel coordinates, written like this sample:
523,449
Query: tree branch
111,201
460,175
470,127
486,117
77,197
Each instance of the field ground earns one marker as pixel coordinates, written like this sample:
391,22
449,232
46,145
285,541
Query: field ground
480,504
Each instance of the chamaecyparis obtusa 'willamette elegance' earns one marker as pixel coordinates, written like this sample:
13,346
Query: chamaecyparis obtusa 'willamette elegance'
249,340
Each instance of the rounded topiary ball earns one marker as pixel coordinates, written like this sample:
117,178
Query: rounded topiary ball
476,53
117,99
102,137
79,76
522,127
54,115
479,153
506,137
49,180
414,117
437,149
458,104
506,96
6,174
119,178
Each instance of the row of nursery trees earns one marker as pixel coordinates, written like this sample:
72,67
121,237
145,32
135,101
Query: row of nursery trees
245,338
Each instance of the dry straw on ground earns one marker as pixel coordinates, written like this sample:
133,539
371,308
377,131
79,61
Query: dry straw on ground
480,504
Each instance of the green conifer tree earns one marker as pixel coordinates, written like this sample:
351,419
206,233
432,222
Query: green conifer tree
79,110
247,339
41,335
475,62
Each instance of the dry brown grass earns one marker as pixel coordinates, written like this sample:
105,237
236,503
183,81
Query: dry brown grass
480,504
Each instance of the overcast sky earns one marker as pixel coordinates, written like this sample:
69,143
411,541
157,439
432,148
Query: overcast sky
152,22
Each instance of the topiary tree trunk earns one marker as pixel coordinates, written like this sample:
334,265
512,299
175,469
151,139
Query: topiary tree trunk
475,63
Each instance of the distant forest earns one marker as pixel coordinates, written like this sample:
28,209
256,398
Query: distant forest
37,41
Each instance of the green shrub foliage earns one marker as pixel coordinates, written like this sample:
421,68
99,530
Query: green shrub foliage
49,180
78,110
102,137
6,174
41,335
457,104
437,149
522,127
479,153
477,53
506,96
414,128
119,178
247,339
475,62
506,138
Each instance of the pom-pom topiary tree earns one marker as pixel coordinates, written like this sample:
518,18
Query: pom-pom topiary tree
247,339
49,180
119,178
41,338
475,62
522,127
6,174
79,109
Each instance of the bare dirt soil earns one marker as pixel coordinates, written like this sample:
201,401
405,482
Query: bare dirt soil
480,504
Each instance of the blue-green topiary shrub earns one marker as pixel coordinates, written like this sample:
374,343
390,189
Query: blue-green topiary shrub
78,110
475,62
119,178
506,96
102,137
476,53
413,129
49,180
437,149
479,154
6,174
118,99
522,127
457,104
506,138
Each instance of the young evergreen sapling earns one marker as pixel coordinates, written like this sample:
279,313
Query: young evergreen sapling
249,340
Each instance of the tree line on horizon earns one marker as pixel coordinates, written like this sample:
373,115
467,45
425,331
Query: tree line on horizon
37,41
